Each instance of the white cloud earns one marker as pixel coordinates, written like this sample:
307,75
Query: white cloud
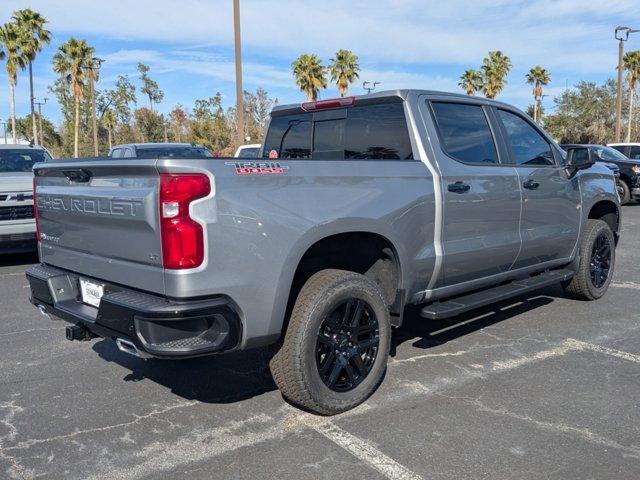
412,31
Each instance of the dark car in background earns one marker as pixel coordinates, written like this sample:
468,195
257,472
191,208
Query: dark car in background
160,150
629,180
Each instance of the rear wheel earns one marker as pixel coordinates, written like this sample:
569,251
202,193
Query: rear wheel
597,261
335,351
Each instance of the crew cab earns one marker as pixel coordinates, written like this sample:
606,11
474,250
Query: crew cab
358,207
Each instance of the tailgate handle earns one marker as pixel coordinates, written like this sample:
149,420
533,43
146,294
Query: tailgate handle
79,175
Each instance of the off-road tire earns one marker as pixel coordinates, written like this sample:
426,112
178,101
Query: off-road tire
581,286
294,367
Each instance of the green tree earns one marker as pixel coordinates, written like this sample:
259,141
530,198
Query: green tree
149,87
584,114
11,51
71,61
34,37
537,77
309,75
257,107
178,121
150,125
495,68
344,70
50,137
115,109
631,62
471,81
210,126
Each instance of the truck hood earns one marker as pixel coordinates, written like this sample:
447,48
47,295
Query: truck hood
16,182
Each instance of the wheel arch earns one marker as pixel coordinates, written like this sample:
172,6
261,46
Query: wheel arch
609,212
311,254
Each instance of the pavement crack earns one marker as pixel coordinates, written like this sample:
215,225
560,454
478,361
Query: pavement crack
557,427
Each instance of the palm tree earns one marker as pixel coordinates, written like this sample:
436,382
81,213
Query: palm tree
73,61
309,74
11,51
34,37
631,63
344,70
471,81
537,77
495,67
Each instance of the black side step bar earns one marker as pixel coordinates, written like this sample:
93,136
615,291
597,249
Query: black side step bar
455,306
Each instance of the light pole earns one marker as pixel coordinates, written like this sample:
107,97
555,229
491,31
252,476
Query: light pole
239,90
39,104
94,66
622,35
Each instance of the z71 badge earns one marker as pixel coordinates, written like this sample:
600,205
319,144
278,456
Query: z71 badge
258,168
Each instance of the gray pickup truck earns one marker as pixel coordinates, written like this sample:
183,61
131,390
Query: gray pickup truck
356,208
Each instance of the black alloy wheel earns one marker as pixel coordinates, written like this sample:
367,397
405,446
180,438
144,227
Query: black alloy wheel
600,263
347,345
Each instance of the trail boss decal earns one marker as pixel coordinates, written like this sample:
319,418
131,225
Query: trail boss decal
258,168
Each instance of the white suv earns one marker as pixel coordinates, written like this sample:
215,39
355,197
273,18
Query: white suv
631,150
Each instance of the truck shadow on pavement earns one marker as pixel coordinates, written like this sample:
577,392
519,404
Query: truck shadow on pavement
425,333
242,375
14,259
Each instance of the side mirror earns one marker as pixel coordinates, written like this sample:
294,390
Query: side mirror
579,158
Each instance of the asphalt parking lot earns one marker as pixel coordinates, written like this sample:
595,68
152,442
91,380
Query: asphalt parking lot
540,387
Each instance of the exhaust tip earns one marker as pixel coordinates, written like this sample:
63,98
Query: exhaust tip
128,347
43,312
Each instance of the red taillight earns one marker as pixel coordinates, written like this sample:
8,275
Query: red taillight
182,237
35,210
331,103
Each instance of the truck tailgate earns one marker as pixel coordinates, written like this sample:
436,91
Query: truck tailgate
100,218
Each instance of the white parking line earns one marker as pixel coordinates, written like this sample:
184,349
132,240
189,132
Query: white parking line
631,285
365,452
580,345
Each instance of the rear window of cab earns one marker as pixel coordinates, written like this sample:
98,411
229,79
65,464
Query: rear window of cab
367,132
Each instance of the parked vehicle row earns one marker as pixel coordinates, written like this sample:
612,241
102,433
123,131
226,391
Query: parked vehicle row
358,207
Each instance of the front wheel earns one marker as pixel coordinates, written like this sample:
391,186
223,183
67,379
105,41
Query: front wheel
597,261
625,193
336,347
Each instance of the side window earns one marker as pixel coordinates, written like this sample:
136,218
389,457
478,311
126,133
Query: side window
377,132
634,152
289,136
528,146
621,148
465,133
117,153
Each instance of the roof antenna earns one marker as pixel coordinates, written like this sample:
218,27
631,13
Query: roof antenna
371,88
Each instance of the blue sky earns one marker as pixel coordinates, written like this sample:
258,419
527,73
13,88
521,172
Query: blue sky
402,43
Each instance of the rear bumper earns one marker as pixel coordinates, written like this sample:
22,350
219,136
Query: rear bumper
157,326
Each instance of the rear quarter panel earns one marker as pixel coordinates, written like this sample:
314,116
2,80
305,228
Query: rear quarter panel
258,227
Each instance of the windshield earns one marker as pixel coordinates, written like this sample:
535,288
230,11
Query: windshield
21,159
177,152
610,154
249,152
